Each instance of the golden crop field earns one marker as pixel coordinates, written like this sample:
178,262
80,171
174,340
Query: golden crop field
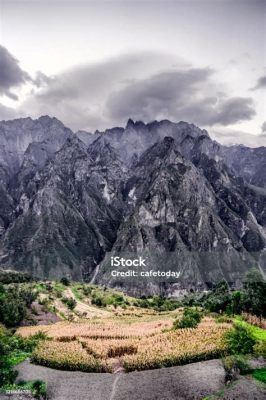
108,345
115,329
70,356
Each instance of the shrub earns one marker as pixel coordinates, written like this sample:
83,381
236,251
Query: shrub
14,349
29,344
191,318
39,389
223,319
86,291
107,299
14,302
7,277
260,349
240,340
65,281
157,303
97,301
235,365
71,303
10,344
7,375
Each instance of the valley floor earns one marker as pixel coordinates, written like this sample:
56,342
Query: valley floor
195,381
88,328
189,382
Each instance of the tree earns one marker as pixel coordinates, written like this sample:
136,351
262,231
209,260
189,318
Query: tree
236,302
255,293
65,281
190,319
220,298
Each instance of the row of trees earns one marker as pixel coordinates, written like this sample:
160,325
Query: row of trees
251,298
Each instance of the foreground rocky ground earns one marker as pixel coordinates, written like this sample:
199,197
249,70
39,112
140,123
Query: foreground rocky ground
195,381
245,388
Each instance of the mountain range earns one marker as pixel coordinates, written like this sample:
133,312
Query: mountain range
164,191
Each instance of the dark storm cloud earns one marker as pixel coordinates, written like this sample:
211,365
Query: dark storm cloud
78,95
261,83
107,93
184,94
147,97
11,75
233,110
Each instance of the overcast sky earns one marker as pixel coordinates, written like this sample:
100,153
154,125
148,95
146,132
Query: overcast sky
93,63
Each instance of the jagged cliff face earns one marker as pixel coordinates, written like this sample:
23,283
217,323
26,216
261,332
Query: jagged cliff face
69,213
30,141
248,163
163,191
25,147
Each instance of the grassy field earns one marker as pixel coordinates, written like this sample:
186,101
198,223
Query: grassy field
258,333
260,375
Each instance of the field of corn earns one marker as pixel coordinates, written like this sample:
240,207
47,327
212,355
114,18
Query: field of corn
108,345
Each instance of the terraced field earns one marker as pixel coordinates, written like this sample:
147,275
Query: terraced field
122,343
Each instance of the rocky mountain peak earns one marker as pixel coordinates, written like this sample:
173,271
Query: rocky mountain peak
130,123
163,151
87,137
69,201
102,151
46,120
135,125
17,135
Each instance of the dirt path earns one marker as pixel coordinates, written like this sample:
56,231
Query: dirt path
84,308
188,382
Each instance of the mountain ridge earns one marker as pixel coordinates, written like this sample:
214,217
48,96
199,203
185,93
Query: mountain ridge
70,202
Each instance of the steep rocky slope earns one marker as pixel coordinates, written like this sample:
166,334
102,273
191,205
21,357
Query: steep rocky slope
164,191
247,162
183,220
69,213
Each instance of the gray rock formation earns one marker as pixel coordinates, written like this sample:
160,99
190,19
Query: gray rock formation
186,219
162,191
247,162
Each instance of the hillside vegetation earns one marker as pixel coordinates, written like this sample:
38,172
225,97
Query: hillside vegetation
76,326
